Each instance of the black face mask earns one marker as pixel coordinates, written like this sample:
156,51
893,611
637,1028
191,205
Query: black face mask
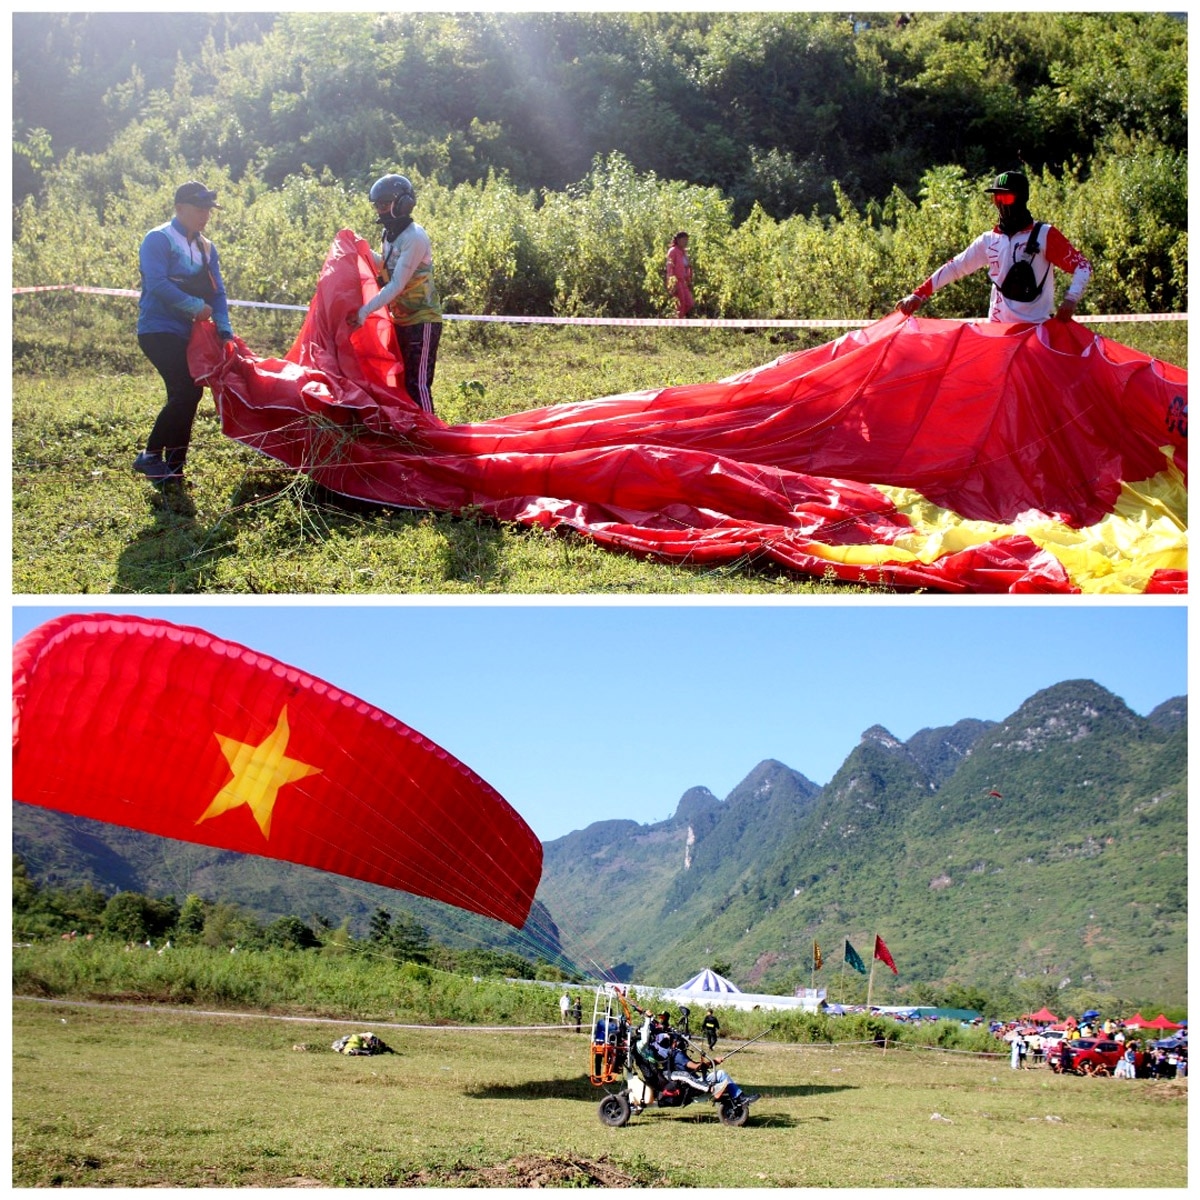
393,226
1014,217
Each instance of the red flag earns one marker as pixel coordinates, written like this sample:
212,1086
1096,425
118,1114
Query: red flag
171,730
995,793
884,955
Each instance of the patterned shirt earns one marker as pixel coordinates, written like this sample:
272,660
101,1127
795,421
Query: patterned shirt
997,252
410,293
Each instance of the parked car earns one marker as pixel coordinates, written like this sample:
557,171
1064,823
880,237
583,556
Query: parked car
1051,1040
1088,1056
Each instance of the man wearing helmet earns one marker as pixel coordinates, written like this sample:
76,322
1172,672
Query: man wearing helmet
1020,256
405,263
700,1075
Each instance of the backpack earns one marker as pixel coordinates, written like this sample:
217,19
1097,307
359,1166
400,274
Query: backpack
1020,284
361,1043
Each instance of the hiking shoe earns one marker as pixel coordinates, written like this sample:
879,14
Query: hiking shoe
156,468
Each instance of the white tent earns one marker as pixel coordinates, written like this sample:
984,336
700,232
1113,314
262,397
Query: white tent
710,982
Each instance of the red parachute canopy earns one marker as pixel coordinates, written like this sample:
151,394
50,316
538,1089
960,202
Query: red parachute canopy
172,730
915,453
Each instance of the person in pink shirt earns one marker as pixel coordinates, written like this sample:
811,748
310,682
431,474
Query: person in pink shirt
1020,255
679,275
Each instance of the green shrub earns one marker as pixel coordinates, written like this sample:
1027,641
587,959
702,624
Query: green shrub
598,247
136,918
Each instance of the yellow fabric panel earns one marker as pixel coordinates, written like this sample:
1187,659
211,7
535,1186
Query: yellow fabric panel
1145,532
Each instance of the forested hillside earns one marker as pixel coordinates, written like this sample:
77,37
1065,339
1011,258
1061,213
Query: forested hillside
822,163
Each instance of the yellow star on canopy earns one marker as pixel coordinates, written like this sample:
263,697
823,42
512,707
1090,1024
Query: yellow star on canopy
258,774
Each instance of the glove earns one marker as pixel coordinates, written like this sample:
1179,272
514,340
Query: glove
910,304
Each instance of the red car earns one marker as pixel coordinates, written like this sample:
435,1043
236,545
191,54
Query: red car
1087,1056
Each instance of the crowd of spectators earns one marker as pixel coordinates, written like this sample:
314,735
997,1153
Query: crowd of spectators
1089,1045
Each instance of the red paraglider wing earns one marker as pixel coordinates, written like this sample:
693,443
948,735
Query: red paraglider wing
172,730
911,453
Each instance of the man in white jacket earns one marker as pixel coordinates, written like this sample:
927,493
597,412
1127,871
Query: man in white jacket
1017,241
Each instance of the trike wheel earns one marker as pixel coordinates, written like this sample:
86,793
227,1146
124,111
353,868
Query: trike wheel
614,1109
733,1112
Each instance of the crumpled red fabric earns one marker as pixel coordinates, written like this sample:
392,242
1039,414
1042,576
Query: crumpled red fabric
997,423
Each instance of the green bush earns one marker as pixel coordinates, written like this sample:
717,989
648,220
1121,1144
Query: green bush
598,248
136,918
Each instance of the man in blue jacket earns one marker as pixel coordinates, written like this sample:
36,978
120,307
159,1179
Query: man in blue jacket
181,284
681,1069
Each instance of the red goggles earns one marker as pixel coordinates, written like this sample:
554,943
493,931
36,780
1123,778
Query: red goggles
1004,197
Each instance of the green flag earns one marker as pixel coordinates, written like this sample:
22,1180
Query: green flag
852,959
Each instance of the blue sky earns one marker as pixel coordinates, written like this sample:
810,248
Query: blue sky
579,713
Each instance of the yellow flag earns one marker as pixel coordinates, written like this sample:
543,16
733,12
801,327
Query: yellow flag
818,961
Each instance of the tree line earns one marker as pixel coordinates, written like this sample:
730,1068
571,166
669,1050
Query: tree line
44,915
42,912
822,165
769,108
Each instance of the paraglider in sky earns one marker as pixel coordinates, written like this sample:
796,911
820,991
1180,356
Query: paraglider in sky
172,730
912,453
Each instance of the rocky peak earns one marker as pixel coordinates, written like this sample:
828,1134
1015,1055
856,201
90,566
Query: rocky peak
882,737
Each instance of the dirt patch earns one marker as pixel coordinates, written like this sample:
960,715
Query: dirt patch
1167,1089
762,965
530,1171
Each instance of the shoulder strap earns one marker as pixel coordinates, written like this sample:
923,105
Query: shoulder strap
1031,246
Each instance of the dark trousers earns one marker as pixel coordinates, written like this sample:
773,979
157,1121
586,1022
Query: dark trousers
172,430
418,353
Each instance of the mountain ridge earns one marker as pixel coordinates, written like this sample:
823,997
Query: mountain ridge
1063,827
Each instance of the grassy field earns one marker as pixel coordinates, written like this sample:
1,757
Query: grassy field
84,523
131,1097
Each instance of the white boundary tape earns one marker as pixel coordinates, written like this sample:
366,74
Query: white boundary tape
300,1020
63,1002
667,322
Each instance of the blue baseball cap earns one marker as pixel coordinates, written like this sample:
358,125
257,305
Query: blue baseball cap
195,193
